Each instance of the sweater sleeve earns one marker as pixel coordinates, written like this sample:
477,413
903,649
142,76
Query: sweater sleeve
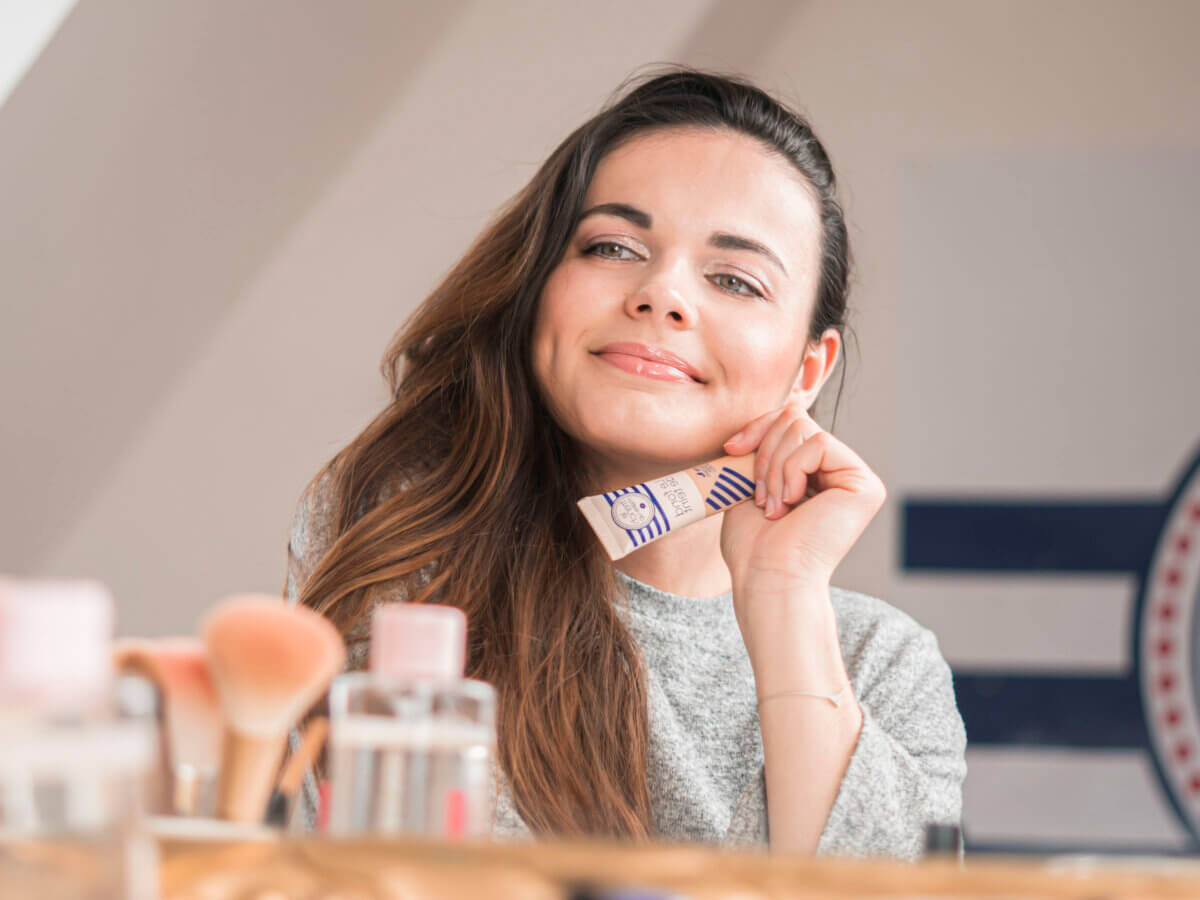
908,767
307,543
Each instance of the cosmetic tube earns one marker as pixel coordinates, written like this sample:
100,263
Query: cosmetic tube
631,517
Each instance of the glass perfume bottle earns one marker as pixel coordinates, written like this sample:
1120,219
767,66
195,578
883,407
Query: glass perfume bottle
412,743
75,767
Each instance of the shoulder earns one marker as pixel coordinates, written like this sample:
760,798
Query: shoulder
880,641
899,674
861,616
311,533
311,537
313,518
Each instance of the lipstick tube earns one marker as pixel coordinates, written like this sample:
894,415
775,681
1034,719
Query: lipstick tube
631,517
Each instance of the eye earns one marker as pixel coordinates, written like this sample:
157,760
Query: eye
599,244
753,291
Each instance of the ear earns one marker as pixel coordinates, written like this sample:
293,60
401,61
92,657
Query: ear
818,363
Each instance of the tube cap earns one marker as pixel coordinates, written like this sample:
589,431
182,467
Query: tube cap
55,641
942,838
418,640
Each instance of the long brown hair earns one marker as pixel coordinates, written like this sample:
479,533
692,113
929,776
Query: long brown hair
462,491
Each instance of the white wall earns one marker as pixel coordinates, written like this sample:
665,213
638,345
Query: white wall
151,161
178,418
1021,183
26,26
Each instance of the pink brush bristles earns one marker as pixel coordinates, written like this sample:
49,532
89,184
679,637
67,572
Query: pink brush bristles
193,720
270,662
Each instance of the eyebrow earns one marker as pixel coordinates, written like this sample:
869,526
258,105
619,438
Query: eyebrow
721,239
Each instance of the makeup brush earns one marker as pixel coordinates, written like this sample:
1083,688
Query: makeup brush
139,699
270,662
193,723
280,805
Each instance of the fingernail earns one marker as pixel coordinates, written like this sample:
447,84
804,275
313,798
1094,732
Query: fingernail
783,497
760,492
733,440
770,507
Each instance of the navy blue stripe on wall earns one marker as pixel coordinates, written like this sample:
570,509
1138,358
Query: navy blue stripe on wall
959,534
948,535
1051,710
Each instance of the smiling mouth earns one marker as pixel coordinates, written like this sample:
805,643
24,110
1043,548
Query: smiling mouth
637,365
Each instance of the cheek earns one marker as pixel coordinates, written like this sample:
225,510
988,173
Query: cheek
556,301
557,331
566,309
759,362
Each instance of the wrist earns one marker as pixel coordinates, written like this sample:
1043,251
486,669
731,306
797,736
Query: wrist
771,605
791,638
771,582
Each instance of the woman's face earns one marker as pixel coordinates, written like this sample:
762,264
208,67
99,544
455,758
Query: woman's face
657,265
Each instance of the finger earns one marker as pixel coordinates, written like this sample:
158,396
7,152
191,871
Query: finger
797,486
748,438
795,476
811,426
804,468
762,457
789,445
828,463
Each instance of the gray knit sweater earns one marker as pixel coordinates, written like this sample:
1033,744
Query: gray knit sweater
705,755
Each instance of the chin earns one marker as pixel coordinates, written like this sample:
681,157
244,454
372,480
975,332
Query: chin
659,450
660,434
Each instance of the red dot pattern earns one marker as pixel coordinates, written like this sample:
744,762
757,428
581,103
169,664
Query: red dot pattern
1164,640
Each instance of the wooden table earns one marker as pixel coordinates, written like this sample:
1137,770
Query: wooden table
360,869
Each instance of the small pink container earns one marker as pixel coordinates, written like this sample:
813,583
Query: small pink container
418,640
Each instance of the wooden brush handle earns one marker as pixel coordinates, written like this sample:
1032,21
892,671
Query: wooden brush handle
248,768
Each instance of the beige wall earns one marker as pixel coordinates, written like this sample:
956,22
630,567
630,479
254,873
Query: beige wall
211,236
152,161
219,230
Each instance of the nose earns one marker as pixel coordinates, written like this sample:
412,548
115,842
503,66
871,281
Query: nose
662,295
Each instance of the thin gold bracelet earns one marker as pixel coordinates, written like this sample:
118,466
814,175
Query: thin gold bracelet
835,699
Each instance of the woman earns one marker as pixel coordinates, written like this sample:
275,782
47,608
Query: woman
669,288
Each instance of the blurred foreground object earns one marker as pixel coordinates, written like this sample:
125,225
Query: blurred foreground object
413,868
77,760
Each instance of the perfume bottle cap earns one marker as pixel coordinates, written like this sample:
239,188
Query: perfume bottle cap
418,640
55,642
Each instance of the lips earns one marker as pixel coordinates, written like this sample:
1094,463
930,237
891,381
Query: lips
654,362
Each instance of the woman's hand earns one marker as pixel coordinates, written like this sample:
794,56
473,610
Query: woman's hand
814,498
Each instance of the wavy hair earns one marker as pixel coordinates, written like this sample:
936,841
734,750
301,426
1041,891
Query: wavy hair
462,490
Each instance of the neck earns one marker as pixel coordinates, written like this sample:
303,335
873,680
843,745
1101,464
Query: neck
687,562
